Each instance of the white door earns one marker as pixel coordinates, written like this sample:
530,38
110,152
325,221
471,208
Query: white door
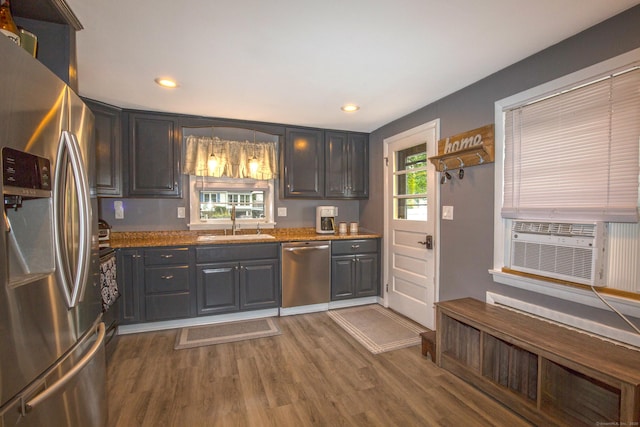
411,223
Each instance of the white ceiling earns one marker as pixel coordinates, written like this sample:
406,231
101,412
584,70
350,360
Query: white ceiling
297,61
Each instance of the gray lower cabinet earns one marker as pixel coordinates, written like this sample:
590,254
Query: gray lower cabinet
237,277
218,288
166,283
354,268
154,284
129,273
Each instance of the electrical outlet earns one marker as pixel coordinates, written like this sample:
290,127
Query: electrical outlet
282,211
119,209
181,212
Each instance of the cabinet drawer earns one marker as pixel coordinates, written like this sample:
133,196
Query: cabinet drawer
207,254
166,279
346,247
166,256
167,306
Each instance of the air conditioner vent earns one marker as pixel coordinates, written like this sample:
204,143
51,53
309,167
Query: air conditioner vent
568,251
556,228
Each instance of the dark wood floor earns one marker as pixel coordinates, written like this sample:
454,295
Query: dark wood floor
312,374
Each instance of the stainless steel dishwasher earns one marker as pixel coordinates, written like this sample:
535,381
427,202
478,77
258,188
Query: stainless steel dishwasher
306,273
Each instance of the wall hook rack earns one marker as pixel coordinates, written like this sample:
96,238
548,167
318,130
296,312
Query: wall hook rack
467,149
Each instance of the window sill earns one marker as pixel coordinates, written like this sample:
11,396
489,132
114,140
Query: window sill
578,295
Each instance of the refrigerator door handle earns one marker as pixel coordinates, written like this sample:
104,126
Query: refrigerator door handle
69,154
53,388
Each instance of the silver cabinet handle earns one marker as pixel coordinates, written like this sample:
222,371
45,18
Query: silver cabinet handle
355,246
166,256
45,394
169,277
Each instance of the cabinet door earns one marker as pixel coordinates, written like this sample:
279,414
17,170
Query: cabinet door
366,275
167,306
154,156
259,284
129,271
358,168
303,164
347,168
108,138
218,288
342,277
337,163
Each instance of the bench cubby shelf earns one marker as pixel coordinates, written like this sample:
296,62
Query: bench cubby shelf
547,373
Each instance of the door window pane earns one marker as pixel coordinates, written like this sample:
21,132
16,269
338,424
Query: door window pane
410,186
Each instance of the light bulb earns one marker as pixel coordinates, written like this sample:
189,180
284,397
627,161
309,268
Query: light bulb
212,163
253,165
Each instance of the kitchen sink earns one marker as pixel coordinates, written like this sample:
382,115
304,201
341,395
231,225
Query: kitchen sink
214,237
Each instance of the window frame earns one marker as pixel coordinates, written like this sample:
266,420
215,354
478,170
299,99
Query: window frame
502,226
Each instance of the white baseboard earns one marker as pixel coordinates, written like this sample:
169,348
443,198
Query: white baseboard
196,321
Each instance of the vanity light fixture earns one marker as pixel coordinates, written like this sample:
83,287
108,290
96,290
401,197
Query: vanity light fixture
350,108
166,82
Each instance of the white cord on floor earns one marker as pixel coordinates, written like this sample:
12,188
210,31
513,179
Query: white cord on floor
635,328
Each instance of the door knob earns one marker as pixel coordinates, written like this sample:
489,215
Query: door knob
428,242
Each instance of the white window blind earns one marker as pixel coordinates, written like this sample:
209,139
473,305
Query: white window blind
574,155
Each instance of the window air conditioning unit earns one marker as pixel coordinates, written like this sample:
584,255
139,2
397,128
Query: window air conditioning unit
567,251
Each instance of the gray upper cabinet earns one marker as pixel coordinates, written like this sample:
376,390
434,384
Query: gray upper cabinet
347,165
303,171
154,156
108,137
321,164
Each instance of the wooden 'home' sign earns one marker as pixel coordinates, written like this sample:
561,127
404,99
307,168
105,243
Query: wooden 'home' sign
471,148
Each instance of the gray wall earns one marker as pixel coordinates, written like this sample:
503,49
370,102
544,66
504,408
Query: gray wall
467,241
162,214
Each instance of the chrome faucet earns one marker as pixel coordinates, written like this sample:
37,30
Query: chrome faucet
233,219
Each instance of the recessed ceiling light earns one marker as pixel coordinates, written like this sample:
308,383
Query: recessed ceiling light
350,108
166,82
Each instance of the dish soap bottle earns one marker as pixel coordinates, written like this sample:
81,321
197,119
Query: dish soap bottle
7,26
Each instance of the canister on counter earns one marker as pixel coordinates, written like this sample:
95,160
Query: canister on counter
353,228
342,228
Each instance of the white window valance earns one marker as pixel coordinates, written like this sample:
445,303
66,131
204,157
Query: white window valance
574,154
206,156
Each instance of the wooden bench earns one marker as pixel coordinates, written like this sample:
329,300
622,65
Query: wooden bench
547,373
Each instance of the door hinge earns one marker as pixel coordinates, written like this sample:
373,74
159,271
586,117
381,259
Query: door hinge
386,161
387,287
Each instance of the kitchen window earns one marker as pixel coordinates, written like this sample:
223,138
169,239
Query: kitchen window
230,168
212,200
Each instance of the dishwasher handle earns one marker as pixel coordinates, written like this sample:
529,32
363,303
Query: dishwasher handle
306,248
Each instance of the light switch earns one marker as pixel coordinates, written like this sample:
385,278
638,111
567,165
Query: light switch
119,209
447,212
181,212
282,211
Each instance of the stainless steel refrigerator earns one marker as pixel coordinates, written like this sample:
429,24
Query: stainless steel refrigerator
52,360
